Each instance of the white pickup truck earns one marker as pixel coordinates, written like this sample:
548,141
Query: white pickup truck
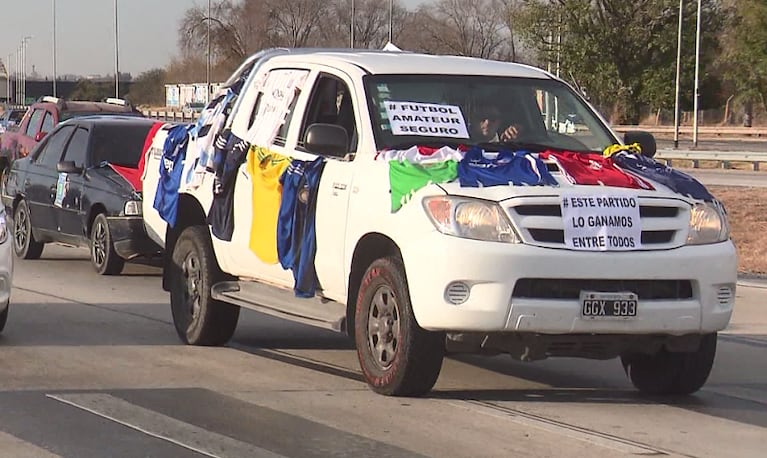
434,204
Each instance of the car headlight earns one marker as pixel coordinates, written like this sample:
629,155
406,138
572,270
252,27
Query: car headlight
470,219
708,224
133,208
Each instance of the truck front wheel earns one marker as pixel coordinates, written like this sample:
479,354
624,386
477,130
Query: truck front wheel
671,373
199,319
397,356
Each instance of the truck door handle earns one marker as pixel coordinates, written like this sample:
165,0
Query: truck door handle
339,186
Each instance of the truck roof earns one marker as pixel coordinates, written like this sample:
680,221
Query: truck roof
389,62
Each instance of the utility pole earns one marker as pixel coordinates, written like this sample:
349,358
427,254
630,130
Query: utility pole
207,81
678,74
391,20
54,48
117,57
351,42
697,79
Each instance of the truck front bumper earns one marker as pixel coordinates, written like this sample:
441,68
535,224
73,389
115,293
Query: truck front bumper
524,288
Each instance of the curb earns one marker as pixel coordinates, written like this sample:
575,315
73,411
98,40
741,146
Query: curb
753,282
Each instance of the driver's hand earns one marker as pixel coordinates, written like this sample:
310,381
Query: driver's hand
511,133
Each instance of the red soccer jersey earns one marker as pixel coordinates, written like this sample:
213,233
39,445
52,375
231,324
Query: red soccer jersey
593,169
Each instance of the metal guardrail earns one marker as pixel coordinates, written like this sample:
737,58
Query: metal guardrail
723,158
703,131
172,116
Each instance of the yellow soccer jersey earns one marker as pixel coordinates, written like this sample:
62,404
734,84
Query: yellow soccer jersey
265,169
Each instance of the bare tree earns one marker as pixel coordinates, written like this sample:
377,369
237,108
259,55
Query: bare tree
296,22
467,27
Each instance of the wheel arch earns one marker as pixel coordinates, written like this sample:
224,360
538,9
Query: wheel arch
370,247
189,213
95,210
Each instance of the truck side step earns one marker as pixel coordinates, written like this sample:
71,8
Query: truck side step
282,303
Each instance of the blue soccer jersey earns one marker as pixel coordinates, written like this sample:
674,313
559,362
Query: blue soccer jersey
296,237
651,169
230,158
478,169
171,168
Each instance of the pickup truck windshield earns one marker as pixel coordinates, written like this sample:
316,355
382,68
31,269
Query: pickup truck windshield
508,112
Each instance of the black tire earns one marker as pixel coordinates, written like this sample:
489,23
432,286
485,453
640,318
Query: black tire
6,172
199,319
4,316
667,373
397,356
24,244
104,258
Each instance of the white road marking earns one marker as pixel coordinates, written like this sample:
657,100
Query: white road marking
162,427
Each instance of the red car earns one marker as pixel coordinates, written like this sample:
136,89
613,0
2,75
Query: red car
42,116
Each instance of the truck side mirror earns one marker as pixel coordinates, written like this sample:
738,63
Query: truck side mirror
40,135
68,167
328,139
645,140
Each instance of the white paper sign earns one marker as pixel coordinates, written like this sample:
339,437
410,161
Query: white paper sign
62,186
601,222
426,119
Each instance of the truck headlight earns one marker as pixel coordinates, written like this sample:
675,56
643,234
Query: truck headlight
470,219
708,224
133,208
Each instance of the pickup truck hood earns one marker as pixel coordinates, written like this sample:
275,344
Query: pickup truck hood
502,193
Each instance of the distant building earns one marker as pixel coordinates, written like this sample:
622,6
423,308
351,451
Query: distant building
178,95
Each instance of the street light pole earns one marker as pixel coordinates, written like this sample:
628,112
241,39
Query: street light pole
697,79
117,57
351,43
54,48
24,68
207,81
678,75
8,86
391,20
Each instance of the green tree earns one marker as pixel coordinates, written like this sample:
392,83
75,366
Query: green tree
92,90
623,53
744,50
148,88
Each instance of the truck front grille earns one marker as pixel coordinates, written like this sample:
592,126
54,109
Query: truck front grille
567,288
539,220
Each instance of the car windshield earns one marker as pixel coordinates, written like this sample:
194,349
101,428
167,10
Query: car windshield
520,113
119,144
16,115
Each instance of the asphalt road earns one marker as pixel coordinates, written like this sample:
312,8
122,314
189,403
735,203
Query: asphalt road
90,367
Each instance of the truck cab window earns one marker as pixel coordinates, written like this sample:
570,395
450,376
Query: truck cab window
34,123
331,103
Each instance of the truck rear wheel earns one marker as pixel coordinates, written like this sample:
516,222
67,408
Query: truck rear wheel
670,373
397,356
199,319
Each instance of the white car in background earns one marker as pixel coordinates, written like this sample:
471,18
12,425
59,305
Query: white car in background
6,268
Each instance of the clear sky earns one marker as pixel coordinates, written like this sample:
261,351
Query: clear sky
85,37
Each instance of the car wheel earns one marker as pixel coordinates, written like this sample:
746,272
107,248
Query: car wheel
24,244
671,373
199,319
4,179
4,316
397,356
104,258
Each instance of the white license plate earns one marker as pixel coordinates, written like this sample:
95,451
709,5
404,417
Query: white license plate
609,305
